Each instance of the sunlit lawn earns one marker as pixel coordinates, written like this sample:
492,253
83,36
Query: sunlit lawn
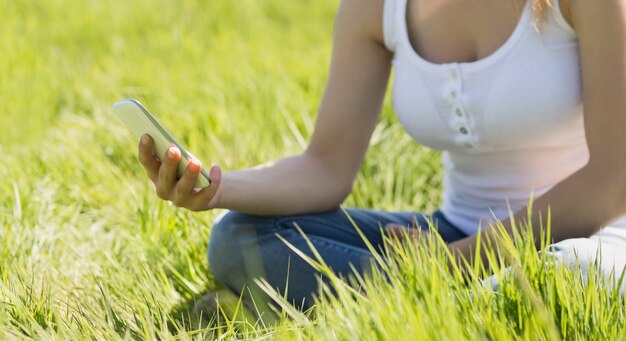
87,251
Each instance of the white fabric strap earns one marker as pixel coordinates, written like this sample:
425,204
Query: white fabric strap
390,24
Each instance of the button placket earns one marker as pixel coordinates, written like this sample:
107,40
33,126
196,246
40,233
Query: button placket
454,74
460,120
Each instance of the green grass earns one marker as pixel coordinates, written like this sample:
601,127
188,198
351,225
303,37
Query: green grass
88,252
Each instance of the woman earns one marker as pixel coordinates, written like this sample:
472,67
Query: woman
523,97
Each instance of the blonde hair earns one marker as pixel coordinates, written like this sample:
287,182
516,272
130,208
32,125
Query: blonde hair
541,8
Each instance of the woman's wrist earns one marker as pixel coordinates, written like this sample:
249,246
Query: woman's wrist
218,199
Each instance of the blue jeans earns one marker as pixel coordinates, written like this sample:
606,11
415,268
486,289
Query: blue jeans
244,247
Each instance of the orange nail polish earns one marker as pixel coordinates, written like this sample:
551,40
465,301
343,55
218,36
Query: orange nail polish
173,153
195,166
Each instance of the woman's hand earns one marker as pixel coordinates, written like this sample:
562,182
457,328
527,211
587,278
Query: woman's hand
406,234
401,235
179,191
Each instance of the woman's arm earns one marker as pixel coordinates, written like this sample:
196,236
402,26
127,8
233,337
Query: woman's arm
596,194
321,177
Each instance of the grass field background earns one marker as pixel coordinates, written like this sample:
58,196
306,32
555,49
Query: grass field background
87,251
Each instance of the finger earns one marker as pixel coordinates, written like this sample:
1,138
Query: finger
167,173
147,159
415,233
206,198
403,232
395,230
184,186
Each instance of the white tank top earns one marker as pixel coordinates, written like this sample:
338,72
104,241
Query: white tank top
510,124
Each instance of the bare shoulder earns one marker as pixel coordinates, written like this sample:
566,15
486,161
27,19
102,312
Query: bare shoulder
576,11
601,30
362,17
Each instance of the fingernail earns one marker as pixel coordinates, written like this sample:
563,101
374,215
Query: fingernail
195,166
145,139
173,153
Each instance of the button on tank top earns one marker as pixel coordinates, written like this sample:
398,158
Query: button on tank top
510,125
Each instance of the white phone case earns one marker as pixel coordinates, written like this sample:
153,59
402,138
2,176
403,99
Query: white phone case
140,122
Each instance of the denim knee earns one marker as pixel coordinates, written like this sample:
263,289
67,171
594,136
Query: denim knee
223,250
231,239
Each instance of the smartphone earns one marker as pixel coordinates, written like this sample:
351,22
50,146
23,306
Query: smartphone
140,122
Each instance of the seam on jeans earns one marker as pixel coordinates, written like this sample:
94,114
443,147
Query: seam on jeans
345,248
288,222
371,236
259,228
